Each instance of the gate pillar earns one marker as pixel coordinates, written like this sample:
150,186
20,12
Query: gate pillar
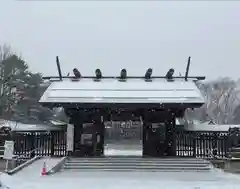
70,138
171,135
159,138
88,133
76,121
98,135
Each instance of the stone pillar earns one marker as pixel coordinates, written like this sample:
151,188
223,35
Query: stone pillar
79,119
74,132
70,139
142,113
150,145
99,134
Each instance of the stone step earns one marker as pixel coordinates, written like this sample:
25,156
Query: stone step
134,170
236,149
235,154
134,160
137,157
147,161
93,167
136,164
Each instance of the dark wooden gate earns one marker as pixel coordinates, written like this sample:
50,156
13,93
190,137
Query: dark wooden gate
159,134
30,144
202,144
88,134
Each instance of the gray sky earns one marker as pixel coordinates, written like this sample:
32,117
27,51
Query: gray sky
131,35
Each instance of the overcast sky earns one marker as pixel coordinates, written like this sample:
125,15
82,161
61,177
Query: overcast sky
131,35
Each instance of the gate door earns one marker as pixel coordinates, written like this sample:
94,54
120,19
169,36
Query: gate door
89,140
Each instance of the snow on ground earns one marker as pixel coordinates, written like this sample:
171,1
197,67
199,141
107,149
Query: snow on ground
111,152
133,180
14,182
30,177
123,150
150,180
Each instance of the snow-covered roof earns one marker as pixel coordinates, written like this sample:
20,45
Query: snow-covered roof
208,127
16,126
114,91
179,121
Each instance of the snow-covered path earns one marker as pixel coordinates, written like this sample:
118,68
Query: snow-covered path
144,181
30,177
104,180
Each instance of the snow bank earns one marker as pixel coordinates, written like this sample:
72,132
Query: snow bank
11,182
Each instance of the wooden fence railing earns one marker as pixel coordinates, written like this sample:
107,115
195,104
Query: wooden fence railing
40,143
188,144
201,144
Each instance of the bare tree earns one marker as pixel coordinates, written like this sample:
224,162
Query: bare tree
222,99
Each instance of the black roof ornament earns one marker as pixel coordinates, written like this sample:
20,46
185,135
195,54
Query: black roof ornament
98,73
76,73
187,69
123,75
59,68
148,75
169,75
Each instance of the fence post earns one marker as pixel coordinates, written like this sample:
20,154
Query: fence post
194,143
52,143
215,146
32,143
227,145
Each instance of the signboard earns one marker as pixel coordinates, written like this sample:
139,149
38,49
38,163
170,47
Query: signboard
85,125
8,150
86,139
70,137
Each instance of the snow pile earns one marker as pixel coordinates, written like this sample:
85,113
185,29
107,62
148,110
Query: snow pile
4,178
13,182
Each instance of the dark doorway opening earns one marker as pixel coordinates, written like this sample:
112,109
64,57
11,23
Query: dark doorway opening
123,134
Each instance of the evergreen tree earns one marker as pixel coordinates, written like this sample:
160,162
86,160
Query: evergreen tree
20,104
